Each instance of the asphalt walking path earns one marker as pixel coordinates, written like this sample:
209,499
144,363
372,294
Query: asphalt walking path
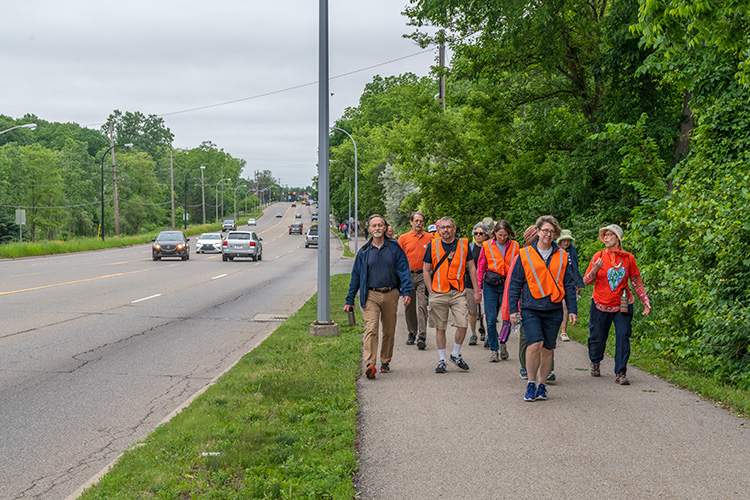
471,435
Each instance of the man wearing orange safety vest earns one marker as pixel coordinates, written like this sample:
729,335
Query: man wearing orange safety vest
414,243
446,261
541,282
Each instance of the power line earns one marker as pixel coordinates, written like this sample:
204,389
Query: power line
280,91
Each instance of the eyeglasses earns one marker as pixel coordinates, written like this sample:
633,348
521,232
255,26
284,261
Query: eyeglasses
548,231
477,233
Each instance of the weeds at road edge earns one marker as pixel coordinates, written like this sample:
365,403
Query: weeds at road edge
281,424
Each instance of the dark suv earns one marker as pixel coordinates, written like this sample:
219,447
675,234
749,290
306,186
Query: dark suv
229,225
170,244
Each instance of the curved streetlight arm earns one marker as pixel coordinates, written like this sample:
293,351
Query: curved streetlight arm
356,197
30,126
128,145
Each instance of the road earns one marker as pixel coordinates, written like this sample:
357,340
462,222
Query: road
97,348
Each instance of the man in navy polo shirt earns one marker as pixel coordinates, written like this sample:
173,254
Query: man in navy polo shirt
381,274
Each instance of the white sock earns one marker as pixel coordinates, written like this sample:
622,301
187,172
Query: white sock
456,350
441,352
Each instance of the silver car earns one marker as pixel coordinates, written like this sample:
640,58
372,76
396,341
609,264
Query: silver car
209,242
311,238
242,244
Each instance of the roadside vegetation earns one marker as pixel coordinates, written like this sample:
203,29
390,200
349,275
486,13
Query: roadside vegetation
642,122
52,247
281,424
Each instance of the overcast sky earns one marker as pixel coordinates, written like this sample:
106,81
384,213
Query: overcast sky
78,60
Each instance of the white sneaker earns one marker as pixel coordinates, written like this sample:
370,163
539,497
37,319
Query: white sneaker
564,337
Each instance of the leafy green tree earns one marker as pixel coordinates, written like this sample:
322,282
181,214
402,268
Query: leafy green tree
146,133
34,181
141,195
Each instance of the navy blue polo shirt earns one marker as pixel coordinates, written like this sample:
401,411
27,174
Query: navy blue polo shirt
381,272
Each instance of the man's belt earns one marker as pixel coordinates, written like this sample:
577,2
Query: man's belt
418,271
384,289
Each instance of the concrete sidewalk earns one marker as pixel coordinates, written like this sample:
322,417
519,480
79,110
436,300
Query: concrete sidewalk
471,435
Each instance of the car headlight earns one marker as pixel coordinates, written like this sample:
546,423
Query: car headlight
180,246
157,246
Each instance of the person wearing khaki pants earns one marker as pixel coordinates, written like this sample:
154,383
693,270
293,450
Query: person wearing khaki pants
414,244
380,274
380,305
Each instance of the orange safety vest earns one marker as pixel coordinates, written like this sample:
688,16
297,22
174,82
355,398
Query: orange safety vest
495,260
450,272
544,281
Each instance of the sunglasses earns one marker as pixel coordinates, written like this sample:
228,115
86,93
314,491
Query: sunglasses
477,233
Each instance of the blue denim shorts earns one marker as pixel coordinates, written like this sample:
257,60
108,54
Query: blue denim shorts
542,326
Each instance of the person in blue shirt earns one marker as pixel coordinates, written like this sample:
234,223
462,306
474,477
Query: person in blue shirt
381,274
540,282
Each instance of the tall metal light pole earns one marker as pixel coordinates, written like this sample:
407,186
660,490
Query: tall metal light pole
356,197
323,325
101,222
216,197
349,220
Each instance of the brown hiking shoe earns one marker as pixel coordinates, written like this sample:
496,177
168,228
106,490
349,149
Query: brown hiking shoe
595,372
621,379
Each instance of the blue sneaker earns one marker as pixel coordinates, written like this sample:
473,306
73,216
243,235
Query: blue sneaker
523,374
541,392
530,392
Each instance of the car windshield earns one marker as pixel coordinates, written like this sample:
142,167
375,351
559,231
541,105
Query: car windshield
169,237
228,222
314,230
239,236
211,237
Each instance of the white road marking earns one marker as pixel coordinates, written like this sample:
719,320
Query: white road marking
146,298
219,276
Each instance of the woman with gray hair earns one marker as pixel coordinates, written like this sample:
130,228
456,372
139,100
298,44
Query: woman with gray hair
481,233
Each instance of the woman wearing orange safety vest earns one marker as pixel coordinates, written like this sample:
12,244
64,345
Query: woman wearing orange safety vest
492,269
541,282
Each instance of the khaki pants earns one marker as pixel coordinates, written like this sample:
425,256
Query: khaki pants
416,311
380,307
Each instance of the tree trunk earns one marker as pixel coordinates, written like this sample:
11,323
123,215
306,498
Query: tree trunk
682,146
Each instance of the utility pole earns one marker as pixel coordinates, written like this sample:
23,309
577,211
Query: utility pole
114,180
442,74
203,195
171,183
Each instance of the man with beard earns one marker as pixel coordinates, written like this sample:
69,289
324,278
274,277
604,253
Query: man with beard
446,262
380,274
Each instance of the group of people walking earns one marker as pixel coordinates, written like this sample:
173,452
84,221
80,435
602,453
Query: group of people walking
494,285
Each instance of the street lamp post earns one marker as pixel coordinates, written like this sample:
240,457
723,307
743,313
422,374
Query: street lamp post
184,207
101,222
216,197
30,126
356,197
349,220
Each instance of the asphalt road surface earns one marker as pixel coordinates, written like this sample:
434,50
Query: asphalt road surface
97,348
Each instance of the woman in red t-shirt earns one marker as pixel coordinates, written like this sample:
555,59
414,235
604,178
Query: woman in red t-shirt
612,302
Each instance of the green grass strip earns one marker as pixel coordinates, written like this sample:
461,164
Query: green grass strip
281,424
53,247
